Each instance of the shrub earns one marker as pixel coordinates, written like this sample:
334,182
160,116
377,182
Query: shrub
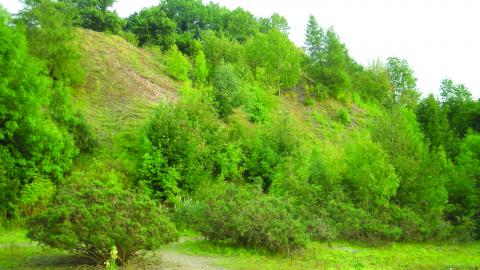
369,177
184,139
344,116
200,72
245,217
178,65
93,217
227,89
36,196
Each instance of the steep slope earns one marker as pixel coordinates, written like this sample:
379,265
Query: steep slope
123,84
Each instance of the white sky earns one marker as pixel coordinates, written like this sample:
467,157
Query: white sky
439,38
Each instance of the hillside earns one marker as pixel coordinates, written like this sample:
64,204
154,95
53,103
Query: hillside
205,135
122,85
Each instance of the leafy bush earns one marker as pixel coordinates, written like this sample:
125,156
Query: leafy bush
227,89
200,72
184,139
244,216
344,116
178,65
370,178
91,217
36,196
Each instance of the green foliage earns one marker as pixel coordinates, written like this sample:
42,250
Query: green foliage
184,141
241,24
277,56
36,196
245,217
328,61
373,84
403,82
178,65
94,14
276,22
32,144
91,216
463,188
459,106
260,104
344,116
220,49
189,15
200,69
227,88
433,122
51,38
152,27
371,178
267,148
129,37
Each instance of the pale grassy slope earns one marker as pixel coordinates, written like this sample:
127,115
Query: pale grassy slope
123,84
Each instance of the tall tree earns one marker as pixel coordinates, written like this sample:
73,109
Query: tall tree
433,122
403,81
275,22
328,60
94,14
274,54
314,41
31,144
459,106
51,38
152,27
241,25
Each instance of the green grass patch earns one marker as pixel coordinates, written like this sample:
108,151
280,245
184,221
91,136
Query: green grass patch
344,256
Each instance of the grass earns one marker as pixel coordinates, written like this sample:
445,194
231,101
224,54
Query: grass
17,252
344,255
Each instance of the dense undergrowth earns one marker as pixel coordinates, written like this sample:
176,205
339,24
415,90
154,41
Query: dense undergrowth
263,145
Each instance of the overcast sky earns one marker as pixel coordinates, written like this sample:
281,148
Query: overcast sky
439,38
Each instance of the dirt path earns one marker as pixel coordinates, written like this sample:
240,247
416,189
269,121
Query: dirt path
173,260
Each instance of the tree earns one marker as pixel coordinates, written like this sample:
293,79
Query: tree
241,25
189,15
403,81
152,27
433,122
51,38
328,61
91,217
314,41
221,49
177,64
373,84
200,69
94,14
32,145
275,22
370,176
274,54
459,106
464,187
